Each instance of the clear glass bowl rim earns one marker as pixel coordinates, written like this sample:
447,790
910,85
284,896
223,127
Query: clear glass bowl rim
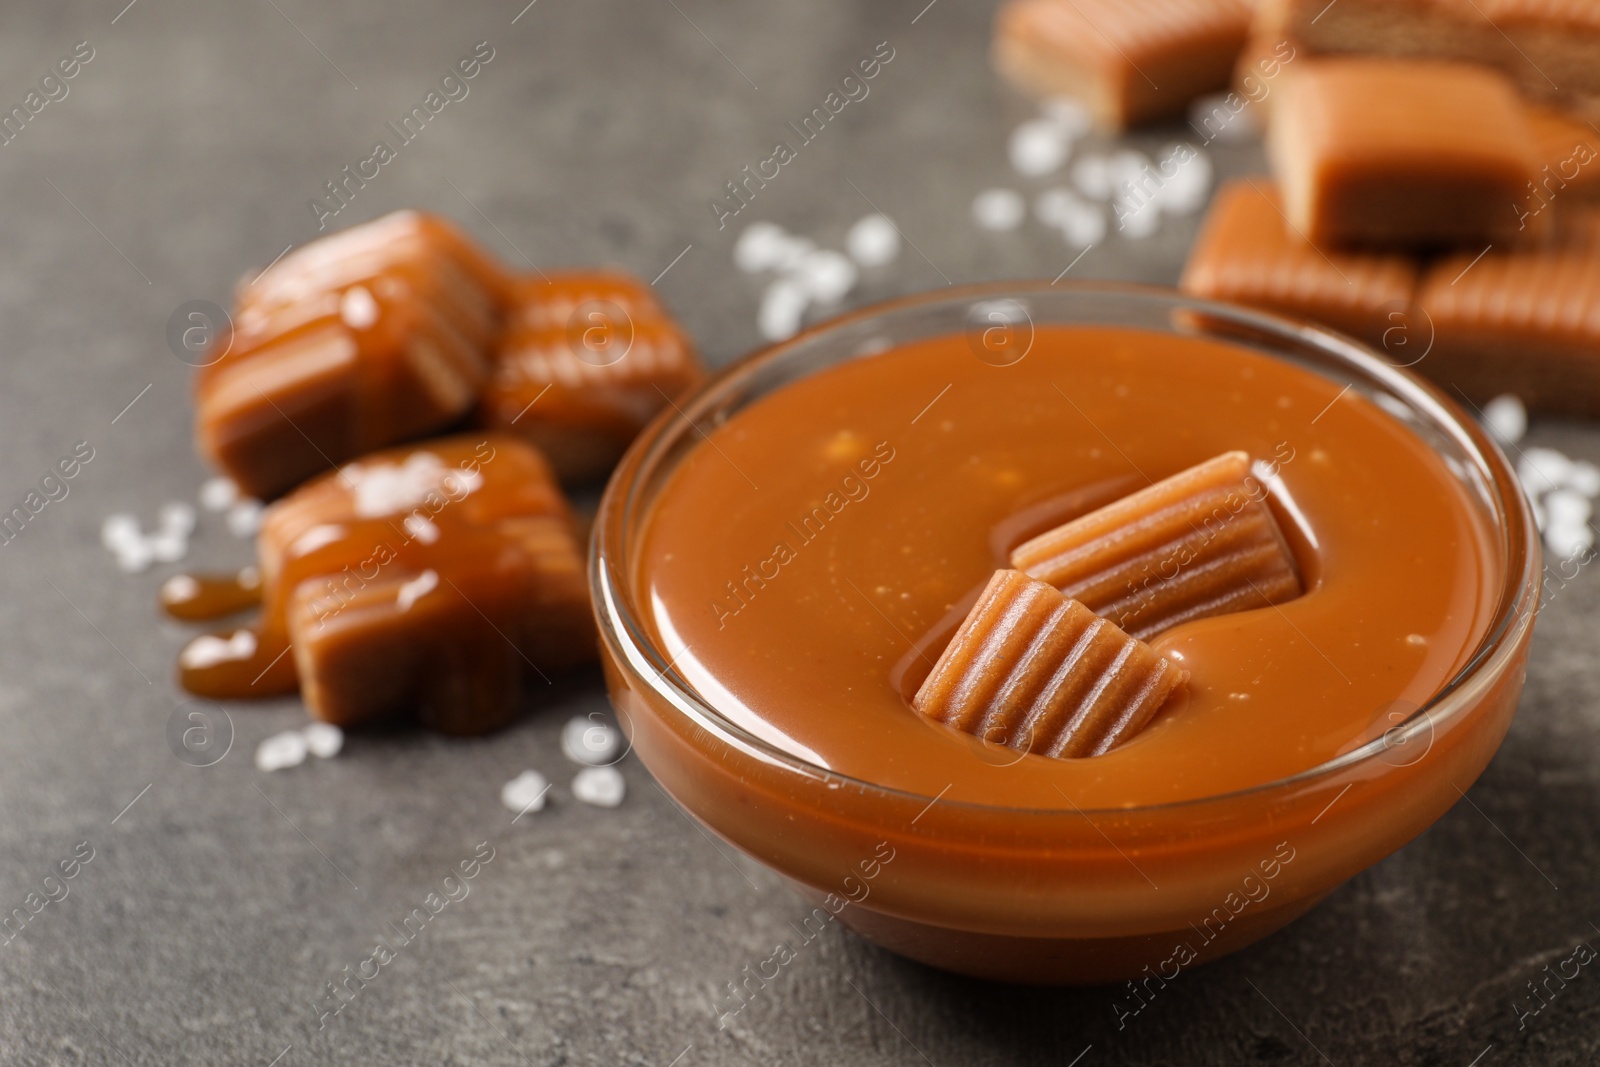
629,642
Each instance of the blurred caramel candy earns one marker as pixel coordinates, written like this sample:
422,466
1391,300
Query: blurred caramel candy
1525,322
1039,672
1129,60
430,580
1387,152
377,335
586,361
1200,543
1246,254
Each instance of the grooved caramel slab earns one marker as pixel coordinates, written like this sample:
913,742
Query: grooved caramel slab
587,360
1129,60
1386,152
1246,254
1200,543
1522,322
1041,673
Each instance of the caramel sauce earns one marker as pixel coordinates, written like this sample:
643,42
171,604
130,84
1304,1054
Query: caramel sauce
197,597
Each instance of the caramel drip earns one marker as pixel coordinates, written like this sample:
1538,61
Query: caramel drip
197,597
1041,673
1200,543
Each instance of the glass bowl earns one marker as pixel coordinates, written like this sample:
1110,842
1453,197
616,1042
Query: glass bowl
1062,896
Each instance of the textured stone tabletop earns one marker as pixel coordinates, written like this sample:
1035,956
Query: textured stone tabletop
219,900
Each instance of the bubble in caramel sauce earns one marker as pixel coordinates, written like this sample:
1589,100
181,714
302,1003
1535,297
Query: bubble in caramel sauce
196,597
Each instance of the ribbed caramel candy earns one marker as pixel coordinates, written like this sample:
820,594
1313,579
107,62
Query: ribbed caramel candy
1246,254
1129,60
587,360
1200,543
1041,673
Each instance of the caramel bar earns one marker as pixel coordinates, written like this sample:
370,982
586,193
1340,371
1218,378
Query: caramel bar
1570,151
1525,322
587,360
1397,153
1200,543
1039,672
1551,48
1129,60
430,580
1246,254
378,335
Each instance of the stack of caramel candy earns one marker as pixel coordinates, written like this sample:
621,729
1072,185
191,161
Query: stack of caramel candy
415,410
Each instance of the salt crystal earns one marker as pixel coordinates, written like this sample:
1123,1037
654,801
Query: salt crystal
1507,419
1542,469
601,786
525,792
1092,176
1037,147
167,546
998,209
1069,114
417,588
357,308
590,741
1137,222
281,750
873,241
1584,477
782,307
244,518
1085,225
119,531
323,739
790,251
759,247
218,494
826,275
135,556
1568,541
177,517
208,650
1567,507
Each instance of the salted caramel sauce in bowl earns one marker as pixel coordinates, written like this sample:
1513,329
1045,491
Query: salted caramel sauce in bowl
778,560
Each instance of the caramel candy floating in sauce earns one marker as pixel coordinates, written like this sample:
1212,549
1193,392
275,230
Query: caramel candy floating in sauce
194,597
1045,674
1130,60
1522,322
586,361
1202,542
1246,254
1392,152
377,335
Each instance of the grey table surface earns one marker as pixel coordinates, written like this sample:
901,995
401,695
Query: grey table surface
219,900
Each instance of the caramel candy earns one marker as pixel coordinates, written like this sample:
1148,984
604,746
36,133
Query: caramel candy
1200,543
1570,151
1246,254
1551,48
432,579
1525,322
375,336
1399,153
1038,671
1129,60
587,360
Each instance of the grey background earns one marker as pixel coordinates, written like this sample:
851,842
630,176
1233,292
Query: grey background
216,906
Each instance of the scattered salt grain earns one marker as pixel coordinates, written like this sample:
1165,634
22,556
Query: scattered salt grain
1092,176
525,792
760,247
119,530
167,546
1085,225
178,517
826,275
998,209
1566,507
1037,147
1568,541
1507,419
873,241
590,741
782,307
244,518
218,494
280,751
1542,469
600,786
1069,115
1584,477
791,251
323,739
358,309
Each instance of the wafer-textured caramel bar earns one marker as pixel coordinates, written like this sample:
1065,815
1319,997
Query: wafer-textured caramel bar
1202,542
1039,672
1551,48
1246,254
1524,321
1400,153
587,360
1129,60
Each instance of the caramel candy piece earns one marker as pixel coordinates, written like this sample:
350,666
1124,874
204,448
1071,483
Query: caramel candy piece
1200,543
1525,322
1398,153
1129,60
587,360
1246,254
433,579
1570,150
1045,674
1551,48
